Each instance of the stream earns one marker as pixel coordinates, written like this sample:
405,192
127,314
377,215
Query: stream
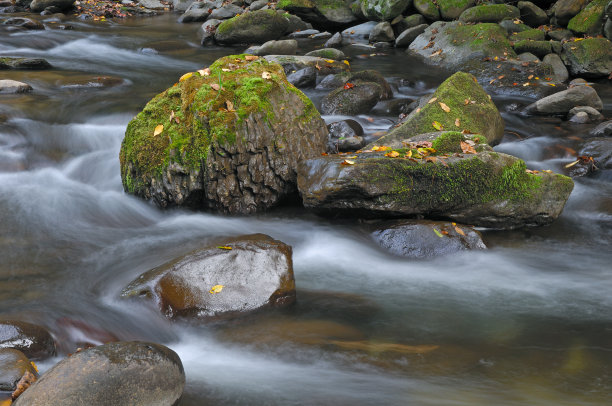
528,321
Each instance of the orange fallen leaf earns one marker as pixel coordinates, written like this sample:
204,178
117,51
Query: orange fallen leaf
392,154
457,122
432,100
467,148
459,231
158,130
251,57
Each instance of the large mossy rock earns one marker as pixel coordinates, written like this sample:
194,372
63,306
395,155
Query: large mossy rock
122,373
591,57
254,27
478,115
565,10
383,10
452,9
452,45
428,9
253,271
487,188
590,20
234,149
489,13
327,14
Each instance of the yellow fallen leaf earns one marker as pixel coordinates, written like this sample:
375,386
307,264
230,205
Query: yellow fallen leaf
216,289
444,107
346,62
34,366
224,247
266,75
432,100
204,72
572,164
6,402
347,162
437,126
329,60
186,76
380,148
439,234
392,154
158,130
408,154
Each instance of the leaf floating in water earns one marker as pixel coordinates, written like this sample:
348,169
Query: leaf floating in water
444,107
266,75
186,76
439,234
158,130
216,289
437,126
204,72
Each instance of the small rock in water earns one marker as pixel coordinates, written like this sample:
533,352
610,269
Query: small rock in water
13,86
34,341
15,370
335,41
590,112
345,135
602,130
305,77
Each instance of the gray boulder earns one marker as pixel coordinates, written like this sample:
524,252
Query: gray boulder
13,86
305,77
452,9
334,42
233,276
382,32
428,9
15,369
562,102
426,239
344,136
121,373
39,5
383,10
564,10
405,38
206,32
328,53
358,99
292,63
560,71
408,22
590,113
226,11
33,340
277,47
198,11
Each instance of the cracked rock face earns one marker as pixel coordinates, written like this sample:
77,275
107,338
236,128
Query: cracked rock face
233,150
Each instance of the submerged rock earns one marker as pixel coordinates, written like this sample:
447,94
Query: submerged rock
423,239
252,271
23,63
228,141
486,188
13,86
33,340
123,373
479,115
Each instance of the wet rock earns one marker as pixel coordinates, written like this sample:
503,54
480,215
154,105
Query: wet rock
529,35
226,11
293,63
25,23
564,10
332,14
590,113
304,34
531,14
258,5
334,81
591,57
487,189
256,272
237,157
383,10
456,44
560,71
358,99
34,341
602,130
560,34
24,63
608,29
511,27
39,5
408,22
344,136
371,75
452,9
562,102
252,27
334,42
305,77
478,116
528,57
428,9
394,107
197,11
600,149
489,13
361,31
15,367
134,373
418,239
328,53
296,24
382,32
590,20
405,38
278,47
537,48
13,86
206,32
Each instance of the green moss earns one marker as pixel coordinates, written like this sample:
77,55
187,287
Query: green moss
206,117
294,4
486,37
590,20
589,50
489,13
538,48
532,34
229,24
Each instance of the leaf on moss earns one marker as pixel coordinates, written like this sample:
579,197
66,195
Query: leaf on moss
158,130
457,122
437,126
251,57
266,75
380,148
432,100
392,154
215,86
216,289
444,107
186,76
229,105
467,148
204,72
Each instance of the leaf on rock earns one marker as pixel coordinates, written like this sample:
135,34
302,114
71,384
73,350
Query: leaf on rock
380,148
392,154
444,107
216,289
251,57
24,383
224,247
348,86
158,130
459,231
437,126
408,154
346,62
329,60
347,162
467,148
266,75
186,76
439,234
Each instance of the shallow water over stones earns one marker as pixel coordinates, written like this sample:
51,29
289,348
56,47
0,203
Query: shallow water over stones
528,321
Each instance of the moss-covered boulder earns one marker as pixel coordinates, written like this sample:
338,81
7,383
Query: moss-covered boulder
383,10
459,103
225,278
428,9
7,62
253,27
538,48
227,139
528,35
452,9
489,13
590,20
564,10
484,188
326,14
591,57
453,44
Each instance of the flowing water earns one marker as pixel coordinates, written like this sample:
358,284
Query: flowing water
528,321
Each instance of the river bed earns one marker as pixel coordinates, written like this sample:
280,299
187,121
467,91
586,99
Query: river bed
528,321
